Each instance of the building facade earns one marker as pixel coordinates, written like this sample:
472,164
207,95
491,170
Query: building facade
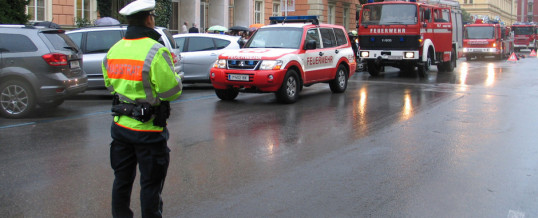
503,10
204,13
527,11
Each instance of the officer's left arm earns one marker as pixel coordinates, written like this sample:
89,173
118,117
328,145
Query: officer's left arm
167,83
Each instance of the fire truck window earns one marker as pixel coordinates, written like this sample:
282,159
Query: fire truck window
438,16
398,14
313,34
327,37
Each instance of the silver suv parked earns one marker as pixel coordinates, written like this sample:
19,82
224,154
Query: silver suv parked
96,41
38,66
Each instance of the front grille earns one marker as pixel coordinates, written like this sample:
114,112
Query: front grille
520,41
243,64
388,42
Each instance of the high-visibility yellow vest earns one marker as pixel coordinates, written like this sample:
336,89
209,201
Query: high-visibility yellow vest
140,71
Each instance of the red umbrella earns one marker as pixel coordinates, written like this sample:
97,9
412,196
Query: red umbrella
256,25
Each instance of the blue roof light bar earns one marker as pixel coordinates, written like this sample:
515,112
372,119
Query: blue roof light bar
294,19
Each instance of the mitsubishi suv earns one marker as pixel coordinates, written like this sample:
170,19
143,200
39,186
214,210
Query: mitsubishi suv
282,58
38,66
96,41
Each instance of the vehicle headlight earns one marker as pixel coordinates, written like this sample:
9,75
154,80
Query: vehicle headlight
220,63
409,54
271,65
365,54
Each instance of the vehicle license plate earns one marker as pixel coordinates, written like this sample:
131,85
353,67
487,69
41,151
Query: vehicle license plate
237,77
395,57
75,64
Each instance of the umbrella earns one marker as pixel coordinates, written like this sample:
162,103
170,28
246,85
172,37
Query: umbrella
239,28
48,24
218,28
106,21
256,25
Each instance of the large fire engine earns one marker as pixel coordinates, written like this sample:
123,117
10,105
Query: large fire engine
486,39
410,34
525,36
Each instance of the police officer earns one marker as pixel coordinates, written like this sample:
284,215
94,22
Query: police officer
139,72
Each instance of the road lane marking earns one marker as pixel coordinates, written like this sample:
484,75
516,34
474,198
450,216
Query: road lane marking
515,214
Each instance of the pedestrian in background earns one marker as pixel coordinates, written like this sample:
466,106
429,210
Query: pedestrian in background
193,29
138,70
184,28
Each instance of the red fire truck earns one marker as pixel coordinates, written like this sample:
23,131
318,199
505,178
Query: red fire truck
525,36
486,39
410,34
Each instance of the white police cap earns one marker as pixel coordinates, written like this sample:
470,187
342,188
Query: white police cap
138,6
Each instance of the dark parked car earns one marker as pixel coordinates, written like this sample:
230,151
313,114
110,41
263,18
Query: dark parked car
38,66
96,41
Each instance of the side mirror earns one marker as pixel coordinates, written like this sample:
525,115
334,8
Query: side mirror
310,45
427,15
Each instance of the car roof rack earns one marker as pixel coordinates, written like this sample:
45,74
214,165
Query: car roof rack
294,19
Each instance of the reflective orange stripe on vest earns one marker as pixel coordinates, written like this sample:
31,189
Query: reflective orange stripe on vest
125,69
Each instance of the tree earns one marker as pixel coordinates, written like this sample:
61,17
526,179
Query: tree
13,11
163,9
465,16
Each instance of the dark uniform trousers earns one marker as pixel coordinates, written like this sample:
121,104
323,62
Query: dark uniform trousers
153,160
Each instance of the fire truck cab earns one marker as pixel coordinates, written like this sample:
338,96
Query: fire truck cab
525,36
410,34
487,39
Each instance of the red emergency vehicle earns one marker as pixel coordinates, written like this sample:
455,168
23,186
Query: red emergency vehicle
410,34
291,53
487,39
525,36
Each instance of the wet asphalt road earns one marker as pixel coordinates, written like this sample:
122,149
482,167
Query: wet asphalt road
459,144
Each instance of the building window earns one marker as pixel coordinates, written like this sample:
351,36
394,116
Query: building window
276,9
346,18
36,10
529,8
83,8
258,12
331,14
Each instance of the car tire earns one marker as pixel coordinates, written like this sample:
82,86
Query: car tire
289,91
339,83
17,100
226,94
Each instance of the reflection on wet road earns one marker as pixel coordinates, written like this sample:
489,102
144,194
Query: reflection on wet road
359,153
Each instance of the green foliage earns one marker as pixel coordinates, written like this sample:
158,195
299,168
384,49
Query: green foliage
13,11
103,7
465,16
163,9
82,22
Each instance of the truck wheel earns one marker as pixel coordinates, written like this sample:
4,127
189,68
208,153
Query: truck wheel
468,57
226,94
17,100
289,91
373,68
450,65
339,83
424,67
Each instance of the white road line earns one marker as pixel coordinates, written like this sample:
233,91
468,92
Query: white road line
515,214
